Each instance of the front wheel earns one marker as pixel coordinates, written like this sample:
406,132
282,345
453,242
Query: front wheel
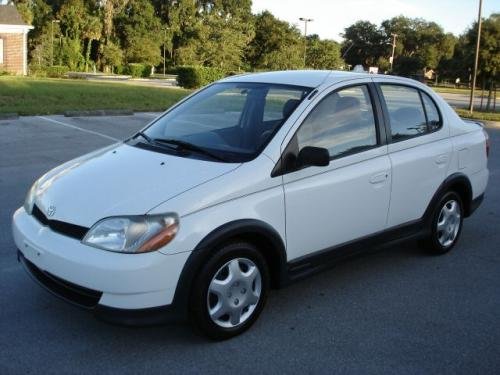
230,291
446,224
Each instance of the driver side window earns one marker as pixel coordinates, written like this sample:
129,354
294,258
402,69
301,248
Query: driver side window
343,123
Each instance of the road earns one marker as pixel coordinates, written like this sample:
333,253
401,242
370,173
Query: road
391,312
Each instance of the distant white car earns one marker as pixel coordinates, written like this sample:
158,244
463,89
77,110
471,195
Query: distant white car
250,183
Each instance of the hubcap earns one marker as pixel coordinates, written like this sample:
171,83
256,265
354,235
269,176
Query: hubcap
448,223
234,292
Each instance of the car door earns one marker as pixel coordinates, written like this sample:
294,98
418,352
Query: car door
349,198
419,149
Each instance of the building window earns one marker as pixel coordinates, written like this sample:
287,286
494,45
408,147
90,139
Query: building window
1,51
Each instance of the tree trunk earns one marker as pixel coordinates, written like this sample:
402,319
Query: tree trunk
482,94
87,55
488,103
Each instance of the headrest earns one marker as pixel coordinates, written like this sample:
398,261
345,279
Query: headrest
290,106
347,102
407,113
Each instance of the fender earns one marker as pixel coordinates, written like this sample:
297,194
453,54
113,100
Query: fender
245,228
465,192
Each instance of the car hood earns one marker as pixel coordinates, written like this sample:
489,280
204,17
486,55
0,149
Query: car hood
119,180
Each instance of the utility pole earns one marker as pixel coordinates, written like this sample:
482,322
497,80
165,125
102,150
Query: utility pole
305,20
52,41
394,36
474,73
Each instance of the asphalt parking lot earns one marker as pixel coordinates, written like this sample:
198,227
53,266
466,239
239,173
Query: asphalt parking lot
393,311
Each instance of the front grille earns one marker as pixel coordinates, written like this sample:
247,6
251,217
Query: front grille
70,230
70,292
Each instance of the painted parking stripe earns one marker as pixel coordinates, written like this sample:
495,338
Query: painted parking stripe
80,129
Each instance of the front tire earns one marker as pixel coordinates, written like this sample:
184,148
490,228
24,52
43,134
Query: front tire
230,291
446,224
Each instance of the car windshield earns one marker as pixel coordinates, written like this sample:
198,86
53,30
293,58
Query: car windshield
229,122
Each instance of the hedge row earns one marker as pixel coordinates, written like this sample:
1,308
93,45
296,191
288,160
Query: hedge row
191,77
135,70
55,71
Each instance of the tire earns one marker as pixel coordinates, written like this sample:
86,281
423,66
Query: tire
229,292
446,224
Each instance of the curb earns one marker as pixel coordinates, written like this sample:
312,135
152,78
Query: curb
9,116
103,112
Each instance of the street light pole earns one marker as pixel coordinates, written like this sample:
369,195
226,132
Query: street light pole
305,20
164,41
52,41
474,74
394,36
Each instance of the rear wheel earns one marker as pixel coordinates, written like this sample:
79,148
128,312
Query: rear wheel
229,292
446,224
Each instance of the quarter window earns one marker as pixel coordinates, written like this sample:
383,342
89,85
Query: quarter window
433,118
343,122
406,114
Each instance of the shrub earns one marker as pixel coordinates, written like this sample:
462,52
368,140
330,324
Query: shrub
191,77
56,71
137,70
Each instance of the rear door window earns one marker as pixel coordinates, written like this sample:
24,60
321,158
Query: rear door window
406,113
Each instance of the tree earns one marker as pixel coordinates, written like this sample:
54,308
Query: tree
420,45
112,55
276,45
364,43
138,27
323,54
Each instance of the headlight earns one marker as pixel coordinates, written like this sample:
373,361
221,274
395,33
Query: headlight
133,234
30,198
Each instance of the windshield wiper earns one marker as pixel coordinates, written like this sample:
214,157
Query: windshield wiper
146,137
183,145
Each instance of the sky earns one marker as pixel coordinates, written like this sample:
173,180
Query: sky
332,16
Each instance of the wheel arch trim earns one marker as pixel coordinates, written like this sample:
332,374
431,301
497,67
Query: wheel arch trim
450,181
226,232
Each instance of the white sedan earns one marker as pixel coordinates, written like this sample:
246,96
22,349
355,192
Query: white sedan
250,183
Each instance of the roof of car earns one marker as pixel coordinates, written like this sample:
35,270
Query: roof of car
307,78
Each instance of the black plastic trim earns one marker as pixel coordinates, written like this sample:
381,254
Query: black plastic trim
88,299
312,263
446,185
139,317
69,292
476,202
67,229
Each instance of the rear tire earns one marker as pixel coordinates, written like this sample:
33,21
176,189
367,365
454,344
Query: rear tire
446,224
229,292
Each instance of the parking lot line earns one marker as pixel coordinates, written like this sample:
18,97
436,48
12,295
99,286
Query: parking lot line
77,128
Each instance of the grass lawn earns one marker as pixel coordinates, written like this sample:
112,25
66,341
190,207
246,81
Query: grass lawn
452,90
36,96
477,115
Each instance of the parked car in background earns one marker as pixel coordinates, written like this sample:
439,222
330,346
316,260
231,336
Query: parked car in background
248,184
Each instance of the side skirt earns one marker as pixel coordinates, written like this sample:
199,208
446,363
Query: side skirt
304,266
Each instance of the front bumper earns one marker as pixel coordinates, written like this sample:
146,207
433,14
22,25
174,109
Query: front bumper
107,282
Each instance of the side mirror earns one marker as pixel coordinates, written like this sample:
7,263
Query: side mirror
313,156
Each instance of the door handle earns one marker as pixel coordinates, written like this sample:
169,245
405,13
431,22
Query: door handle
441,159
378,178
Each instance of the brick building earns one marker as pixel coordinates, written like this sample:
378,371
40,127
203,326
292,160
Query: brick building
13,41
